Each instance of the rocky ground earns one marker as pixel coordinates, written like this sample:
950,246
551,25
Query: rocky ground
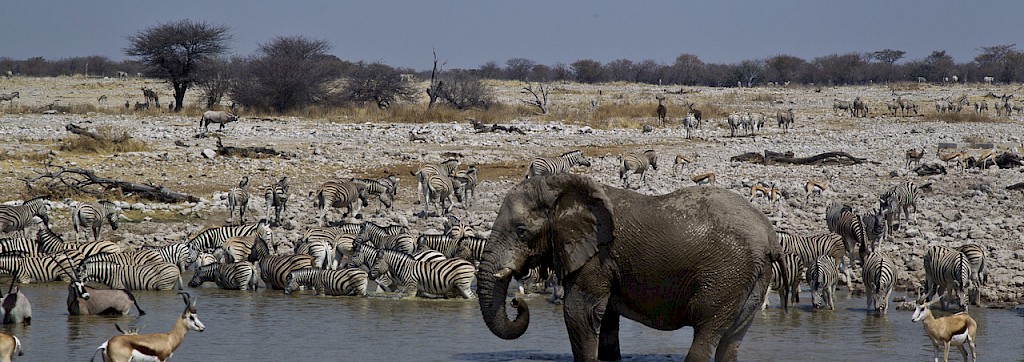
958,208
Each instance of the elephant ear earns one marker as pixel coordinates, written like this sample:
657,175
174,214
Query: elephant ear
580,220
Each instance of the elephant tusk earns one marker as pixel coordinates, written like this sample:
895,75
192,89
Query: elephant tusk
503,273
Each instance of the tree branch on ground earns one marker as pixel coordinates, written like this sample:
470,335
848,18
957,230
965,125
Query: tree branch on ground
69,181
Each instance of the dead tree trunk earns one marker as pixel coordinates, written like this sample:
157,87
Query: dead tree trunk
827,158
435,91
66,181
539,101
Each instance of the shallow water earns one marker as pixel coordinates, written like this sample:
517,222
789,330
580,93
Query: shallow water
269,326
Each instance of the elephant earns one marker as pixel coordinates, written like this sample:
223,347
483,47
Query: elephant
699,256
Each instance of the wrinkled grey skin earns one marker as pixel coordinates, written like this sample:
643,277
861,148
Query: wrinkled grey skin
700,257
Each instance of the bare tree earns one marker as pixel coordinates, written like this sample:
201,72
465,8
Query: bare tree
463,91
436,85
285,74
377,83
172,51
214,79
539,101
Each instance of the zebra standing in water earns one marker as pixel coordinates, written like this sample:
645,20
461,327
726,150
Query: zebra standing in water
37,269
153,276
277,198
471,248
809,248
213,237
179,254
637,164
545,166
242,275
238,198
349,195
437,278
329,282
785,279
136,257
822,277
979,275
16,218
901,197
879,274
274,269
92,214
855,241
947,271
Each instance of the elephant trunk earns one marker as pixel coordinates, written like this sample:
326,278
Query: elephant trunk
492,288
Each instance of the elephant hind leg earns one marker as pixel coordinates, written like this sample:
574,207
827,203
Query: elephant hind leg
729,345
608,344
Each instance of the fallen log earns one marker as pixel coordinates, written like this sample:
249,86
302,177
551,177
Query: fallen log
827,158
66,181
480,128
75,129
250,152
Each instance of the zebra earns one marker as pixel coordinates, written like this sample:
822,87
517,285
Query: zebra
92,215
203,259
444,244
236,248
321,251
404,243
879,275
854,239
277,197
241,275
350,282
785,279
349,195
179,254
832,212
16,218
468,179
373,233
545,166
22,246
637,164
136,257
49,242
456,229
441,189
979,275
238,198
822,277
36,269
875,230
947,270
274,269
380,189
152,276
340,240
447,168
809,248
437,278
901,197
213,237
471,248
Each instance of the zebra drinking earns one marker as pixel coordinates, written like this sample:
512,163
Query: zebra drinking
822,277
330,282
241,275
979,275
879,275
437,278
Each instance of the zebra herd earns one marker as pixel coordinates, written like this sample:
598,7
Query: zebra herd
854,239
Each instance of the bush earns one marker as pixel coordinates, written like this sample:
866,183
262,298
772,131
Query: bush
378,84
111,141
286,74
463,91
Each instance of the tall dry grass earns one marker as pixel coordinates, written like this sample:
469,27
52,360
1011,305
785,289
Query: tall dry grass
112,141
967,117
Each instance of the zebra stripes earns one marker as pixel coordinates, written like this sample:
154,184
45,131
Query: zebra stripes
423,174
438,278
832,213
441,190
901,197
213,237
349,195
849,226
879,275
236,249
947,271
340,240
444,244
242,275
329,282
17,218
785,280
238,198
471,248
546,166
277,198
637,164
875,230
153,276
23,246
321,251
456,229
92,214
822,277
36,269
380,189
50,243
137,257
274,269
467,179
810,247
404,243
979,274
179,254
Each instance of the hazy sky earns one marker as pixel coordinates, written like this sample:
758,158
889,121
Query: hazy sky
471,33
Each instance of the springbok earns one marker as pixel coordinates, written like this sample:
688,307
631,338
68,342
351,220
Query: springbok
958,329
157,345
662,111
704,178
956,157
680,161
9,345
914,156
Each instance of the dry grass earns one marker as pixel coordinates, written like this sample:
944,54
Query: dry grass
765,97
976,138
967,117
113,141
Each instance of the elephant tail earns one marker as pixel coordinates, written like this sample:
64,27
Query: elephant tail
776,257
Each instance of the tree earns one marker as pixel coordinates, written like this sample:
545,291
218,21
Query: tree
463,91
888,56
172,51
287,73
379,84
518,69
214,79
587,71
490,70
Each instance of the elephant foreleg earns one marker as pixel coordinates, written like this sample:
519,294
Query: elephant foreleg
584,314
608,349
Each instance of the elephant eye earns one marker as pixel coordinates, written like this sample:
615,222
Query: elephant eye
521,232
